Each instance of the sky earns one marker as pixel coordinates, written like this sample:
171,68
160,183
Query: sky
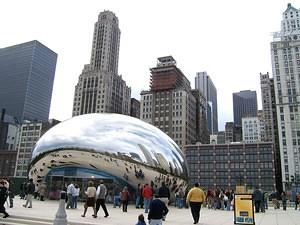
230,40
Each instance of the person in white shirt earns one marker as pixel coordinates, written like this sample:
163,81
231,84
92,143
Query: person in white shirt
70,191
75,196
91,198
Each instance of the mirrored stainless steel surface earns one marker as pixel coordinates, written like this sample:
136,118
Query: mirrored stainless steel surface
113,143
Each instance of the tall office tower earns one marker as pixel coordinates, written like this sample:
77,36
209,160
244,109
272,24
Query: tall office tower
285,53
244,105
201,124
209,91
100,89
169,104
30,132
268,105
270,121
27,72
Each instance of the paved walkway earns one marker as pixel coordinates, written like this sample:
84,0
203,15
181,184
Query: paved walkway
47,210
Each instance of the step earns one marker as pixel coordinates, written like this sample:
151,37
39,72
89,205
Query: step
20,221
26,220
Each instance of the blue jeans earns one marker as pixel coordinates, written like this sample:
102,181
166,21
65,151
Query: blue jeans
74,201
180,203
116,201
228,205
137,201
147,204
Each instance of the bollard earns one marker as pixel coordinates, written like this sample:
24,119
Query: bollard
61,215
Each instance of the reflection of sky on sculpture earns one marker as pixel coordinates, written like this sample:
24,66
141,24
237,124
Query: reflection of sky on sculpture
111,133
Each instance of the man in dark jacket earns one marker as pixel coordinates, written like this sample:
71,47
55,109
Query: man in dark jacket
30,188
158,210
164,194
3,197
257,198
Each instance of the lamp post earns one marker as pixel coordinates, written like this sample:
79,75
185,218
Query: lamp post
61,215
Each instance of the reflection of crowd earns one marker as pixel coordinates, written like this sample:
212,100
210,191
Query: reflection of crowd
139,174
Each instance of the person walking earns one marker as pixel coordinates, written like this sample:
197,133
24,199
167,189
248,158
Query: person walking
42,191
30,189
125,198
11,195
147,195
157,211
164,194
3,197
101,195
257,198
266,199
91,198
138,197
116,196
70,192
284,200
195,199
297,199
75,196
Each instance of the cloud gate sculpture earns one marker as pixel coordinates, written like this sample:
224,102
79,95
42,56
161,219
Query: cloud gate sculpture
119,146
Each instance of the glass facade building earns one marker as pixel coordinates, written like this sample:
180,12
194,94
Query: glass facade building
204,83
27,73
244,105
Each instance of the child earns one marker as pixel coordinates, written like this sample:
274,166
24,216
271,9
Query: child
141,220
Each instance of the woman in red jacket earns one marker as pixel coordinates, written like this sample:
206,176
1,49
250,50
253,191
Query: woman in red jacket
147,195
125,198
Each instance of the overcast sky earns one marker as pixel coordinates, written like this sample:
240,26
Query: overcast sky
228,39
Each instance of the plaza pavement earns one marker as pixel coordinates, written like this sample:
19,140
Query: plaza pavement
43,213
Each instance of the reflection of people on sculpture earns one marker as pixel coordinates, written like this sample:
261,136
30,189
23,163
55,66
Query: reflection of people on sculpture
139,174
126,176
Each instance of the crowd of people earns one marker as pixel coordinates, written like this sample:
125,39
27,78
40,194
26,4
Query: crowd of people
154,199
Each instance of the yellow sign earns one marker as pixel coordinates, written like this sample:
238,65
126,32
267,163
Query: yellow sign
240,189
243,210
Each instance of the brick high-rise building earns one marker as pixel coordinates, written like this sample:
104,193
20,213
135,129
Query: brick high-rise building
170,104
100,89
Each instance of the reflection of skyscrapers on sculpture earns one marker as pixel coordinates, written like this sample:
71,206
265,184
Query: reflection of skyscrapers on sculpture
108,145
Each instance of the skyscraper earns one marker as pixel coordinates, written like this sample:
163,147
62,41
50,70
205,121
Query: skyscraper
209,91
100,88
27,72
169,104
244,105
270,121
285,54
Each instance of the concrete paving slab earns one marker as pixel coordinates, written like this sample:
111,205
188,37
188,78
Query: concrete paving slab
46,211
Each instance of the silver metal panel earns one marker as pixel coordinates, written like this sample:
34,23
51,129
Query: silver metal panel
109,142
